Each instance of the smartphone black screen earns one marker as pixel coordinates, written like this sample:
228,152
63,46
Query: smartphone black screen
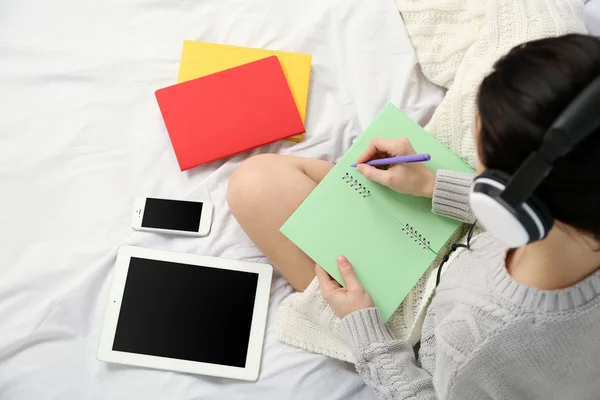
172,214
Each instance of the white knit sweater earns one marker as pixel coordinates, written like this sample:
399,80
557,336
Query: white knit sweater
456,43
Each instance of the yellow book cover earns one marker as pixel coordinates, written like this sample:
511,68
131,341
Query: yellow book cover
200,59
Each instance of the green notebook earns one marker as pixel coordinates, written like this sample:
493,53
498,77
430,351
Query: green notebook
390,238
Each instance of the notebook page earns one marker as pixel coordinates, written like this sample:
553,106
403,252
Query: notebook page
336,219
414,212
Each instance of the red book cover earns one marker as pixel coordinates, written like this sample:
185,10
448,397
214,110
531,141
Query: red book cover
229,112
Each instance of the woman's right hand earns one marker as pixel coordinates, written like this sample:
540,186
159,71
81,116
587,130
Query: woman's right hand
409,178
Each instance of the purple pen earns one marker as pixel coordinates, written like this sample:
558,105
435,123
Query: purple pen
397,160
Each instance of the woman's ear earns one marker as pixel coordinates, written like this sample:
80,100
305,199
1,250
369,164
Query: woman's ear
476,128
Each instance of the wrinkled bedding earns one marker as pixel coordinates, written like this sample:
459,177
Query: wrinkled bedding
81,136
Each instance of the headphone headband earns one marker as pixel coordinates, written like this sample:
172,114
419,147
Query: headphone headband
578,121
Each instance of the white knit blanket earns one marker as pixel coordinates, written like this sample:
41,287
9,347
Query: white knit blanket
456,43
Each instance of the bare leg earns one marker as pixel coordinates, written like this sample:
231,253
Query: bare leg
263,192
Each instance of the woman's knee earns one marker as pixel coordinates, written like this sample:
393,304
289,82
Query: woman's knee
250,182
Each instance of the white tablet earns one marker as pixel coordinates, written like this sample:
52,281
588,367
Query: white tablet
188,313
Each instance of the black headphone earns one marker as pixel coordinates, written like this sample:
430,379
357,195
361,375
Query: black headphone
505,205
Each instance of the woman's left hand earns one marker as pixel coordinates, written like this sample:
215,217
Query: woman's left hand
343,300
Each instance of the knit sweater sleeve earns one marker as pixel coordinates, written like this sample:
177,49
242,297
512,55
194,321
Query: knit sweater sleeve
451,195
387,365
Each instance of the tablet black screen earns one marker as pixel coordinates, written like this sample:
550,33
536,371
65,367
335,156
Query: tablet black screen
186,312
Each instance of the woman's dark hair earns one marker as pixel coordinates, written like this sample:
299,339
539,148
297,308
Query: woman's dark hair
518,102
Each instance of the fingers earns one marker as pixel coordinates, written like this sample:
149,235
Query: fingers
392,147
326,282
347,273
381,176
369,152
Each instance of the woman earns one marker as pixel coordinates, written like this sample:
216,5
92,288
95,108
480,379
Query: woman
503,324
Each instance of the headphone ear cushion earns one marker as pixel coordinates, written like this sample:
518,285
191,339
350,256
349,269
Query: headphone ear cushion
514,226
542,212
534,203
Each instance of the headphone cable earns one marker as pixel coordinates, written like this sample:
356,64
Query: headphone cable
454,247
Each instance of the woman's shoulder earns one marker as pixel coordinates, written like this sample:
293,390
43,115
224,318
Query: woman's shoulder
469,269
478,302
563,347
464,304
504,336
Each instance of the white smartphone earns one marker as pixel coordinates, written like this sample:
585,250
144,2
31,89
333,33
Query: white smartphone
178,217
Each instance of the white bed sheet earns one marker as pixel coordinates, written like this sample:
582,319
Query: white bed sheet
592,16
81,136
